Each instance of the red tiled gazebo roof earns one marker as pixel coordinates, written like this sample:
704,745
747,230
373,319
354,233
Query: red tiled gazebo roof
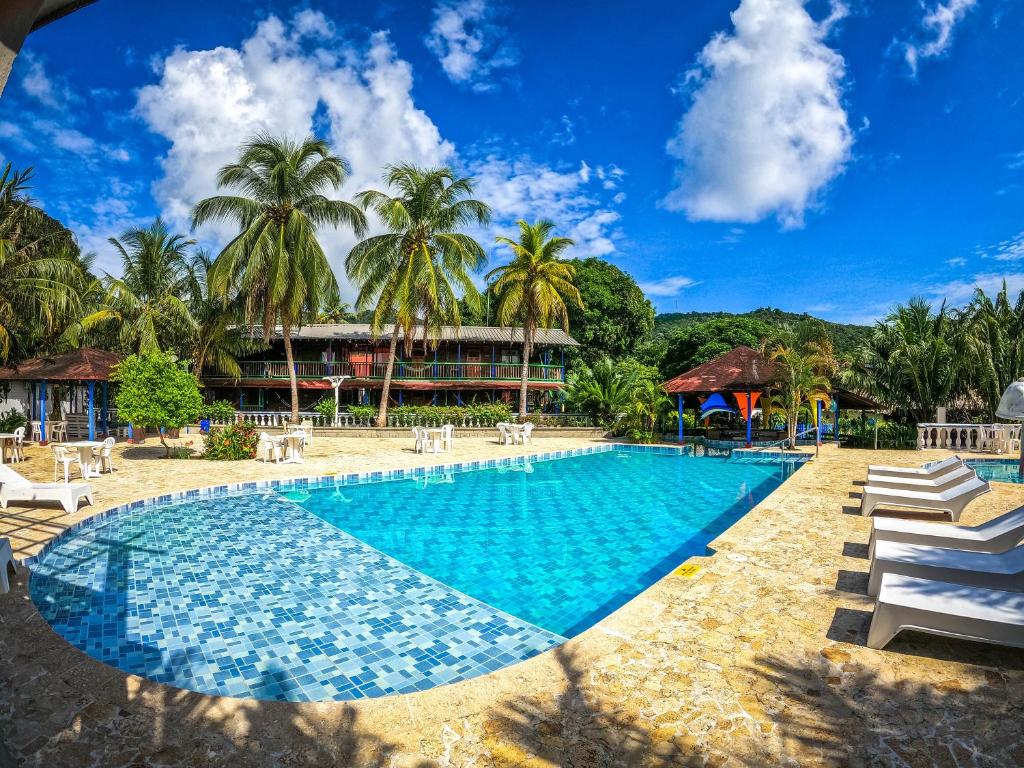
738,369
85,364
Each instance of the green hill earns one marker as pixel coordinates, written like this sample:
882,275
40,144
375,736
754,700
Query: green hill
846,337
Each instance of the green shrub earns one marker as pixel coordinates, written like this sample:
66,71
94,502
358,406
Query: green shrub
219,411
231,443
11,420
363,413
484,415
325,408
891,434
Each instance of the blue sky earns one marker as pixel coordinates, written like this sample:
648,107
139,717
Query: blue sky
823,157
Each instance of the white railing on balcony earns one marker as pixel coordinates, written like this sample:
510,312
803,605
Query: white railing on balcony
277,419
403,370
982,438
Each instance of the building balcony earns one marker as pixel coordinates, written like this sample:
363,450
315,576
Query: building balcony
255,372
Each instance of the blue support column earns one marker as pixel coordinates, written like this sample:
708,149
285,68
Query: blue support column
750,418
679,399
835,424
42,413
105,412
817,424
92,410
399,397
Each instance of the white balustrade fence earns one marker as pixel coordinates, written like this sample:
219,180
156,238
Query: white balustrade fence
981,438
274,419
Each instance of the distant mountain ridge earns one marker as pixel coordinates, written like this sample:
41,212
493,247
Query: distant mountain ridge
846,337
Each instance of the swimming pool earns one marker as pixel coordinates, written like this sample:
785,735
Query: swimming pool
344,588
997,470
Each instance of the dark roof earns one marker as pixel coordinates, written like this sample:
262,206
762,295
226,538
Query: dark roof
51,10
853,401
553,337
85,364
737,369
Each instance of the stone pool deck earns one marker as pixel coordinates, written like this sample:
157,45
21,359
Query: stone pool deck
758,659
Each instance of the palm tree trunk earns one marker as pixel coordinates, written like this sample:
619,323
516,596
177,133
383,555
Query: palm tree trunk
292,377
527,348
382,414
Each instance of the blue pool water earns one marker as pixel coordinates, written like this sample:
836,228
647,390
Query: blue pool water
342,590
998,470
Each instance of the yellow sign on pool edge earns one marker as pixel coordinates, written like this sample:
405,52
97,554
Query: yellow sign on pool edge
687,571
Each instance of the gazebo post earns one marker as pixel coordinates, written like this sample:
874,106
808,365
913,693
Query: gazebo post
835,423
817,423
42,412
92,410
750,442
679,398
105,411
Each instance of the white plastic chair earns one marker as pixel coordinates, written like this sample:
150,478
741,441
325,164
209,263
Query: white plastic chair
527,433
106,457
59,431
447,437
6,561
268,448
503,433
37,432
423,441
307,427
18,450
64,458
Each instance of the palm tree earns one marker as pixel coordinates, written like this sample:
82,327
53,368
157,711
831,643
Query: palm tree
410,274
535,288
275,265
37,290
801,374
149,299
996,335
219,338
604,391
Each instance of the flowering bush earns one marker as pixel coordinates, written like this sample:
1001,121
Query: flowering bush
231,443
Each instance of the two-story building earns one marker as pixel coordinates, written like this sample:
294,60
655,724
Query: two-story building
469,364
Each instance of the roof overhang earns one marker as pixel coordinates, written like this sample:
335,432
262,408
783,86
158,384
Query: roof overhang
51,10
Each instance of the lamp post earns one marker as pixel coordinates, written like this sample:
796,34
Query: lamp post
336,383
1011,406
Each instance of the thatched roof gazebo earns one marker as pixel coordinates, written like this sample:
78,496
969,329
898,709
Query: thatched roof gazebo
87,365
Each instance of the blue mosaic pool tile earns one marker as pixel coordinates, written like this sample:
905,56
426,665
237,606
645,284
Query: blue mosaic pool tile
262,599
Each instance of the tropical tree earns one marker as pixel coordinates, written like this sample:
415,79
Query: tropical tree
275,265
535,289
37,285
801,375
602,391
149,300
996,337
410,274
219,337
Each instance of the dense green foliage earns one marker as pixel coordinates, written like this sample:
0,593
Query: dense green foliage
624,397
697,343
156,390
231,443
11,420
219,411
483,415
615,319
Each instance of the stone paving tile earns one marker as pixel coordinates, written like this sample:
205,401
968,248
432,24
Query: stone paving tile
756,660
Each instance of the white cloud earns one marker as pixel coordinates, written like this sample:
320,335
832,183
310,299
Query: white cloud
667,286
957,261
938,25
766,130
1007,250
960,291
41,86
470,43
526,189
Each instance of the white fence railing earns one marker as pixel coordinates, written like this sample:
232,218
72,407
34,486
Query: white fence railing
982,438
274,419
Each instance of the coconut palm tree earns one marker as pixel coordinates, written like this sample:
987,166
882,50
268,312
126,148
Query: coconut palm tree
535,288
996,336
276,265
149,299
801,374
37,288
410,275
603,390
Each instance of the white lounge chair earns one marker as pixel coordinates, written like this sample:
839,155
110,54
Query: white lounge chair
950,610
996,535
1003,570
14,487
935,485
6,561
952,500
928,470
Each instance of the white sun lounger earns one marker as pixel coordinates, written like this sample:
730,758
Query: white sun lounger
996,535
14,487
928,470
951,610
941,483
952,500
1003,570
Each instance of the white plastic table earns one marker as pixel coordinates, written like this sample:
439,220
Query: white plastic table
436,437
85,455
516,432
294,452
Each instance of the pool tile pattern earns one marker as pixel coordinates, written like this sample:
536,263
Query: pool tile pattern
269,602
